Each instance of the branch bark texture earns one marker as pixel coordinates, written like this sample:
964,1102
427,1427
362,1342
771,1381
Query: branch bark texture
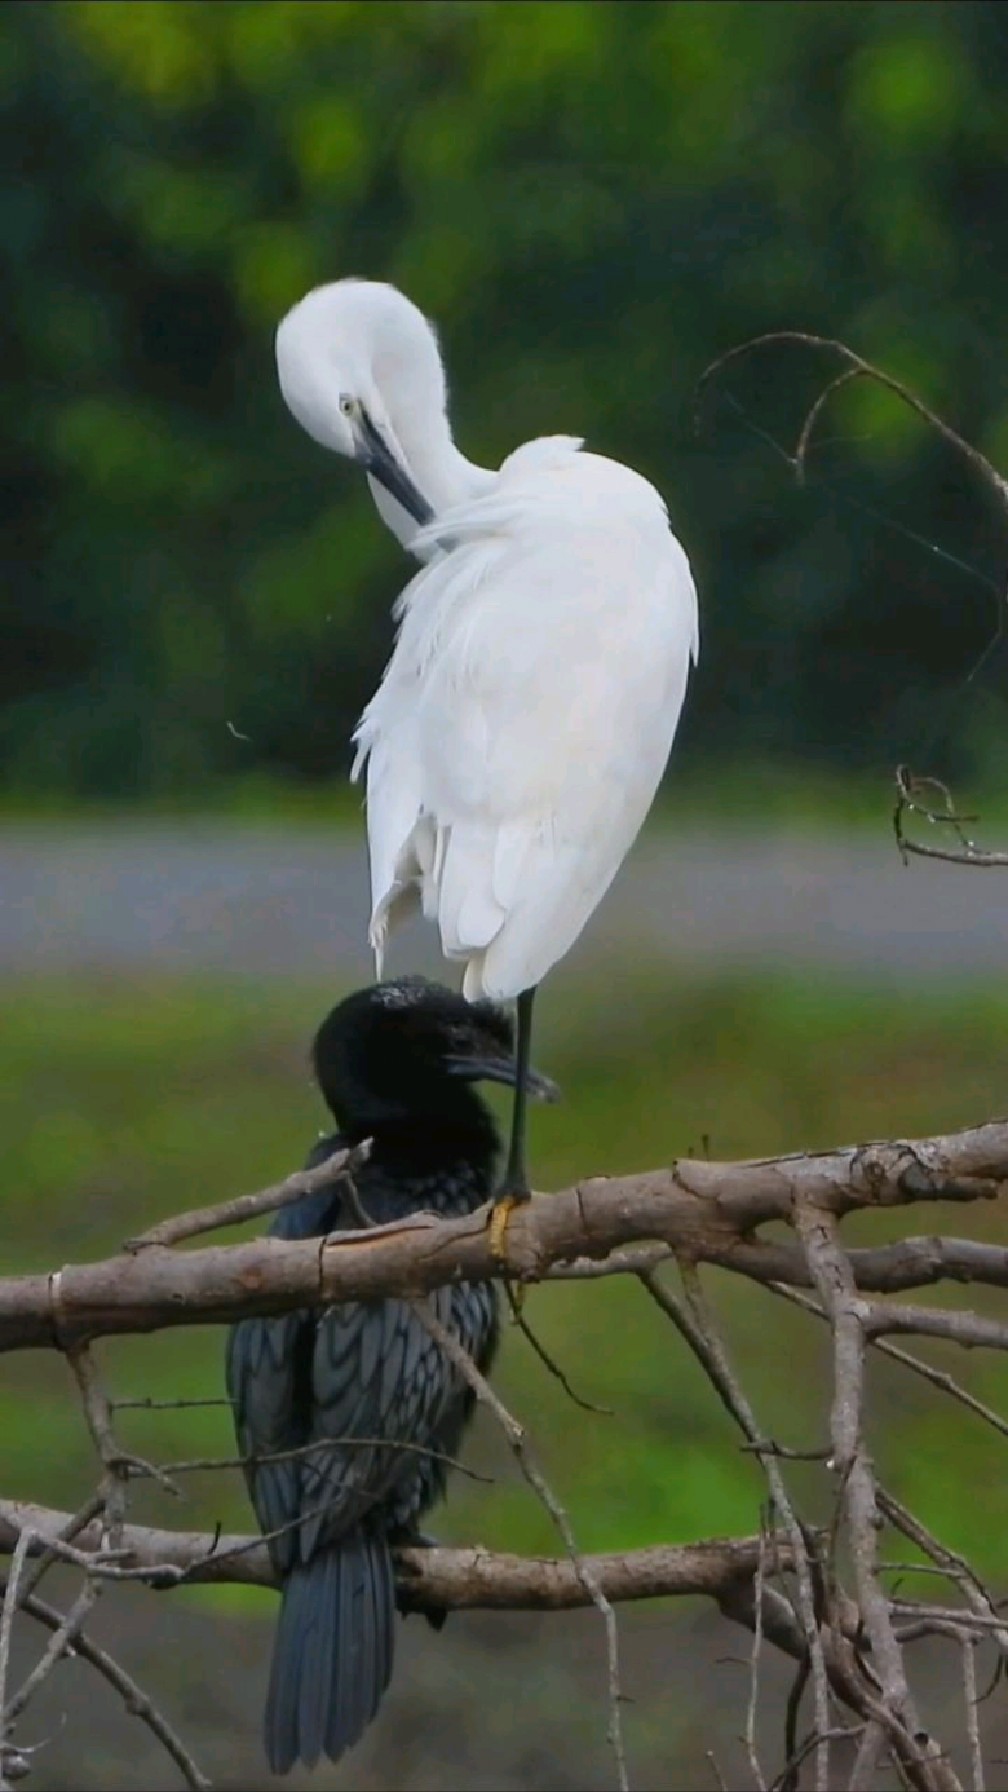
704,1212
459,1579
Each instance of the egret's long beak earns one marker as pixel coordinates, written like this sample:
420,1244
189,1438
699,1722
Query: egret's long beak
377,457
502,1070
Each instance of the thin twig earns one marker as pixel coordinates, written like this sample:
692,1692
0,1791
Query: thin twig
754,1662
881,1269
793,1753
866,1761
952,1617
814,412
10,1603
857,364
955,1566
549,1362
695,1324
839,1733
61,1642
206,1464
518,1440
908,787
719,1779
147,1404
909,790
972,1717
107,1562
938,1378
116,1462
137,1702
78,1522
905,1568
768,1446
247,1207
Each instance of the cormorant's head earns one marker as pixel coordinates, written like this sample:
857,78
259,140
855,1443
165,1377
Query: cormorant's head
411,1050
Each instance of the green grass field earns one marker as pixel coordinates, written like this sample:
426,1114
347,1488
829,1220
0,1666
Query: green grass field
123,1101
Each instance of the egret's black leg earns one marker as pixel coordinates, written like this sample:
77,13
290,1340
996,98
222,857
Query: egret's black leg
515,1188
516,1182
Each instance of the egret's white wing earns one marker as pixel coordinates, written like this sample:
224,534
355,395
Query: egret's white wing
394,798
528,710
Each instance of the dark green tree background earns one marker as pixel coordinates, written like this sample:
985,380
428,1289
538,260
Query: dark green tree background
593,201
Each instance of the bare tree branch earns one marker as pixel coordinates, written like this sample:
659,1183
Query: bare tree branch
917,1262
704,1211
856,1483
968,1329
459,1579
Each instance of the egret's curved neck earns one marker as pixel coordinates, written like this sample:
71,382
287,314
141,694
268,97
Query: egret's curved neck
440,472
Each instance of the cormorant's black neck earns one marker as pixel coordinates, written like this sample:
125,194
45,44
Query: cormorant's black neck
426,1143
439,1116
412,1164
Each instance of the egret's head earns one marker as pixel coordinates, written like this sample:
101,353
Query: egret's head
360,370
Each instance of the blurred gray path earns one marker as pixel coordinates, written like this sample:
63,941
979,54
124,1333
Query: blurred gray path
206,896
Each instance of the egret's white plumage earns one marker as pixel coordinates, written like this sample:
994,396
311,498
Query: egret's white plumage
518,736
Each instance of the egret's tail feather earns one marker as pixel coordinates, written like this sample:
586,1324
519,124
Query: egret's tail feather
472,980
377,937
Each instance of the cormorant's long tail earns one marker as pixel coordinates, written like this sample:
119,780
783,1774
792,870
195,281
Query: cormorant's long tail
332,1653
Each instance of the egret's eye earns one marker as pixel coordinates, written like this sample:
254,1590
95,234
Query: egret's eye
349,405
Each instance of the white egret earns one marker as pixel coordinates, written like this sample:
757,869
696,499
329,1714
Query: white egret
521,729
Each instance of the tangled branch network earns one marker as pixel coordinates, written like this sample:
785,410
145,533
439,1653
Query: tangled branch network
815,1590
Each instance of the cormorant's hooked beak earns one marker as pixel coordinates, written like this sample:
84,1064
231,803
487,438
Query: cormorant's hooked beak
502,1070
377,459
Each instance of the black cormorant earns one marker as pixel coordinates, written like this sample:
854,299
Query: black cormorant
396,1063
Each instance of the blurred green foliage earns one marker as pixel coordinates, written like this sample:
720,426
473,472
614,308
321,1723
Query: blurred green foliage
124,1101
593,200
